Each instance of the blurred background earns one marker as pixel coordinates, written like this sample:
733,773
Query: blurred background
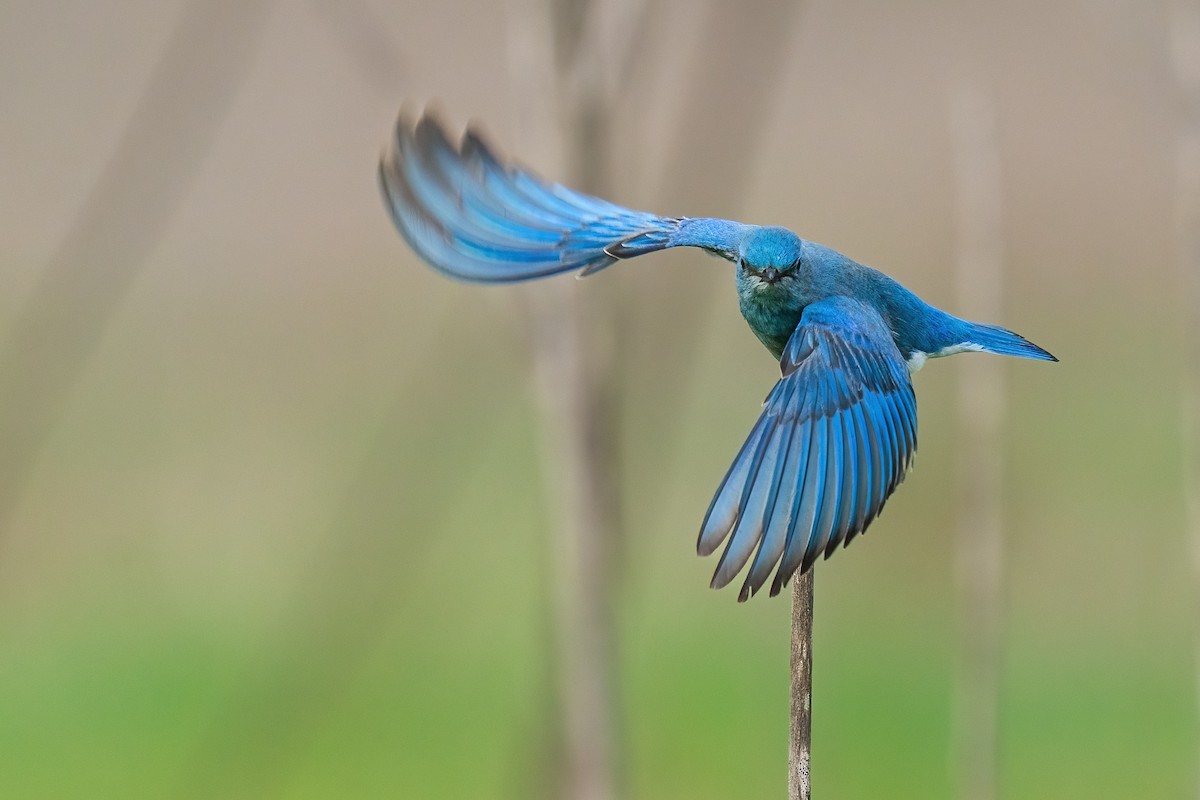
273,510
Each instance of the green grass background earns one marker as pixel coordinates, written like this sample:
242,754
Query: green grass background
342,591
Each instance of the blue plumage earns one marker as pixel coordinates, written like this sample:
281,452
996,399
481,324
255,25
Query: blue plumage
838,431
844,400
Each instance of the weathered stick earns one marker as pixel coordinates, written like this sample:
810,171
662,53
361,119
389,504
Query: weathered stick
800,728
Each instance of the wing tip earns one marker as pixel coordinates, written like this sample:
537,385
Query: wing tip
718,580
705,549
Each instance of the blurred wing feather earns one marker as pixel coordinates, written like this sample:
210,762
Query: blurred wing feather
475,218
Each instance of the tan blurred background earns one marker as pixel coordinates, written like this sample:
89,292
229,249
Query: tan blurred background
272,521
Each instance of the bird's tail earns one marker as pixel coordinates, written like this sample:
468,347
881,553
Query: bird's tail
994,339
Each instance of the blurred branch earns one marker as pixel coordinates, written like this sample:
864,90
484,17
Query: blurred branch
979,281
564,122
123,217
610,32
361,34
570,122
715,138
1184,36
727,98
800,710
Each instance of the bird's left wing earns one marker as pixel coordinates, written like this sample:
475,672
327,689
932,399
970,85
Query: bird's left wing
836,436
476,218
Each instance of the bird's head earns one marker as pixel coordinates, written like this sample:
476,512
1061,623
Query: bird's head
768,259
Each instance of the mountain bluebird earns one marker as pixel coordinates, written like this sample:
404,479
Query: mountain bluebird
838,431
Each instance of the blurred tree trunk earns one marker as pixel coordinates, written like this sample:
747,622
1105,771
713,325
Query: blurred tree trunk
567,58
979,443
564,123
1185,56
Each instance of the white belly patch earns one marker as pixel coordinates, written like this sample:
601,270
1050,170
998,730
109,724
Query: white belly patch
917,359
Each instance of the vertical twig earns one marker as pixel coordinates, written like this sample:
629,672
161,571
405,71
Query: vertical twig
800,722
980,526
1185,57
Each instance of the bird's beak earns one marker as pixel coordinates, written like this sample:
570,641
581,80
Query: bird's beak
770,274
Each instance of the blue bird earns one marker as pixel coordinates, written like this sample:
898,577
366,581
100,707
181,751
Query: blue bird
838,431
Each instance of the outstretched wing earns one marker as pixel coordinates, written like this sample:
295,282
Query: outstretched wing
836,437
477,219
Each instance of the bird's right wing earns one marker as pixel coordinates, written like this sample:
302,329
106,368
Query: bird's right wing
476,218
836,436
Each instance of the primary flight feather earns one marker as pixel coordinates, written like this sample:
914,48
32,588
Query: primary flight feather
838,431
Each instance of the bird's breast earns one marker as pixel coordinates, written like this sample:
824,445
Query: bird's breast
772,316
